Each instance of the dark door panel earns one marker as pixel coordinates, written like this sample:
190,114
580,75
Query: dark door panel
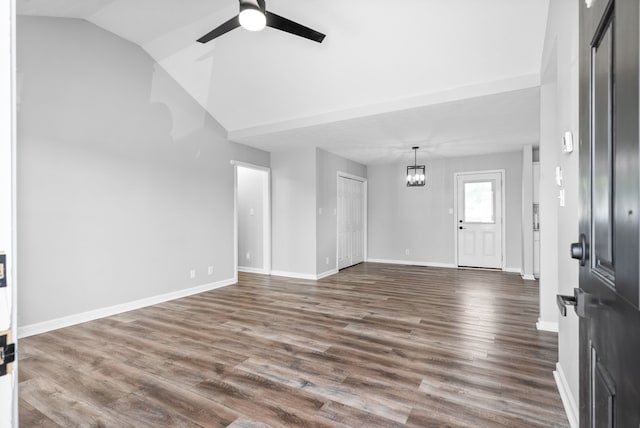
609,213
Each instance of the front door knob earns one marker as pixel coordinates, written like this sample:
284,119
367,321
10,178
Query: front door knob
579,250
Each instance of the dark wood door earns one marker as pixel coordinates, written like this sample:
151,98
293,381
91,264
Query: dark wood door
609,219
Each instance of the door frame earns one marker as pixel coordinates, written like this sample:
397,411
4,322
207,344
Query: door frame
8,205
503,239
364,211
266,217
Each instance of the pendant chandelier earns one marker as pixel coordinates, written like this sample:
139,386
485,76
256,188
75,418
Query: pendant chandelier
415,172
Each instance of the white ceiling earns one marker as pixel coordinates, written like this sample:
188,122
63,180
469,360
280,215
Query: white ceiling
458,76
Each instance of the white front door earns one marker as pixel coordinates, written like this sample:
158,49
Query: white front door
350,222
479,223
8,377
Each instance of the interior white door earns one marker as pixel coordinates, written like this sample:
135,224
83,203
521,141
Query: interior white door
8,381
479,227
357,221
350,222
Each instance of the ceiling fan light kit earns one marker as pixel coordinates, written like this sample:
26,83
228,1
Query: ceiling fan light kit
253,16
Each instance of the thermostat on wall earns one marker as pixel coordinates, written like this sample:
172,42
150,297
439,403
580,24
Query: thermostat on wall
567,142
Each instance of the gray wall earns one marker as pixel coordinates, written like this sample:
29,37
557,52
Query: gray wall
124,181
328,166
250,218
418,218
293,204
559,113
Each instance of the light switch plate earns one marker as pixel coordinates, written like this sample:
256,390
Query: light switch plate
567,142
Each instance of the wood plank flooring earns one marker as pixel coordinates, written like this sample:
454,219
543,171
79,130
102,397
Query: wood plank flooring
376,345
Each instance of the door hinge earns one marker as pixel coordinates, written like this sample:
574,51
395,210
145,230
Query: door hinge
7,354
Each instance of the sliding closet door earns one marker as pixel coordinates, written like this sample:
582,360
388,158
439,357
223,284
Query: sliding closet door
350,222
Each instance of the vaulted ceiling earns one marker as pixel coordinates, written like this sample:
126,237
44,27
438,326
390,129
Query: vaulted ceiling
456,77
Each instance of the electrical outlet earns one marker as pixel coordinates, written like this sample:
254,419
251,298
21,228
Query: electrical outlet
248,255
251,211
210,270
319,211
327,260
192,273
407,252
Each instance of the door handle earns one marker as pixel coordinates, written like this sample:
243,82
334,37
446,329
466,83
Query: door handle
577,301
579,250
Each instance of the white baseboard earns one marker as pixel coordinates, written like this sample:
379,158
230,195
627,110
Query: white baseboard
327,273
309,276
251,270
547,326
568,400
430,264
45,326
295,275
528,277
512,270
412,263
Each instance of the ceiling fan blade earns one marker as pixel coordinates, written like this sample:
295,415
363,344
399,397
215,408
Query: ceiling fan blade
222,29
286,25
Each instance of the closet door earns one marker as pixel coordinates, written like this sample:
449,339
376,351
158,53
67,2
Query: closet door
350,222
357,222
344,258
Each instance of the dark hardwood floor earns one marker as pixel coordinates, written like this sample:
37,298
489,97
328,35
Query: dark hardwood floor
375,345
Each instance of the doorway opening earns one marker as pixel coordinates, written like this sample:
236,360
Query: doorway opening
352,220
252,219
479,225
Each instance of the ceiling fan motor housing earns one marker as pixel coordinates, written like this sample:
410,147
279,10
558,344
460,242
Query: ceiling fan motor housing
253,4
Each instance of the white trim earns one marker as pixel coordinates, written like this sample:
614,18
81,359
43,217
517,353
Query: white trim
547,326
365,185
413,263
247,269
8,206
503,201
235,220
351,176
295,275
45,326
528,277
326,274
308,276
438,264
568,400
266,222
266,216
250,165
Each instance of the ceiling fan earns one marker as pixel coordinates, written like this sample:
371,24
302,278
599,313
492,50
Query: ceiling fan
254,17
